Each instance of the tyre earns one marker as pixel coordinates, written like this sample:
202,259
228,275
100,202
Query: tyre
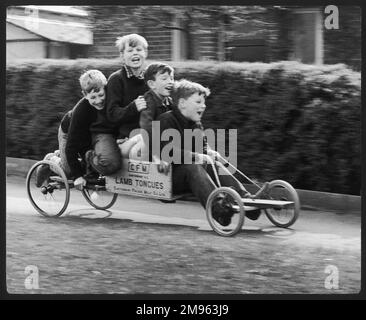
51,196
99,198
282,217
237,206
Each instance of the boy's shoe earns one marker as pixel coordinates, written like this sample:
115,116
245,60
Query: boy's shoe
94,178
43,172
221,212
253,214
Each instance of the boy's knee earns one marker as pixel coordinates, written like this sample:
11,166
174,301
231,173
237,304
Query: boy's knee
107,164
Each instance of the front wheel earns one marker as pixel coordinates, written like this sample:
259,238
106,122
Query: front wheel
48,189
287,216
233,200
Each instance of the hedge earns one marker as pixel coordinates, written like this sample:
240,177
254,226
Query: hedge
296,122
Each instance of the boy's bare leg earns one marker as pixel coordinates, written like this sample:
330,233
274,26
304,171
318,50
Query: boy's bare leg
62,140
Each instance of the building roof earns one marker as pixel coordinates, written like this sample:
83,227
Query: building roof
69,10
60,31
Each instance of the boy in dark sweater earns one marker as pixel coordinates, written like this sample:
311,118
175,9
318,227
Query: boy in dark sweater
159,77
124,102
74,134
85,113
188,108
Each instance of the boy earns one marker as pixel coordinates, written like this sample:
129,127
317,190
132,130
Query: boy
74,134
124,103
159,77
188,107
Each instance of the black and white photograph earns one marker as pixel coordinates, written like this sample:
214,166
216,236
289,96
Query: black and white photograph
183,150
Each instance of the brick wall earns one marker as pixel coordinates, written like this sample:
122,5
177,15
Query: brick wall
109,22
159,38
344,45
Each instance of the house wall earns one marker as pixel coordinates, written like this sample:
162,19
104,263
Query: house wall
15,33
22,44
25,50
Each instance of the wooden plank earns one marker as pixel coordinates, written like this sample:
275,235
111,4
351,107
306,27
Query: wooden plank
266,203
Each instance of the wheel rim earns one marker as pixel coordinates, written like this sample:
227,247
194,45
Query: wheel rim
285,217
237,219
100,198
52,197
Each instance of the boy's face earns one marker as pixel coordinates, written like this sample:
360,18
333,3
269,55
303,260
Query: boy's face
162,85
96,98
134,57
193,107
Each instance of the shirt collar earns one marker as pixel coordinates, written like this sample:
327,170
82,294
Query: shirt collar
165,102
130,73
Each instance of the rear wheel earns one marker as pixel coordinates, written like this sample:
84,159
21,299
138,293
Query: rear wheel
99,198
282,217
237,220
51,196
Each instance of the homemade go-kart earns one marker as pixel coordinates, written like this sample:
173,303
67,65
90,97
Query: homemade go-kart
278,199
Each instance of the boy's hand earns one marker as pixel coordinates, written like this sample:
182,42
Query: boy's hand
213,154
79,183
201,158
140,103
120,141
163,166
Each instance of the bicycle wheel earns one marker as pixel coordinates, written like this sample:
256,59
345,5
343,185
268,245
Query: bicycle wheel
99,198
282,217
237,206
52,196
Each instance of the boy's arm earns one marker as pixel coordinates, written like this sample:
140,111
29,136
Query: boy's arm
115,110
147,115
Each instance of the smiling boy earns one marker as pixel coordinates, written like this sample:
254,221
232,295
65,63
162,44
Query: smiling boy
124,102
79,139
159,77
188,108
74,135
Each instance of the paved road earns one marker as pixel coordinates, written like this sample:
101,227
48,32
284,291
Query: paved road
145,246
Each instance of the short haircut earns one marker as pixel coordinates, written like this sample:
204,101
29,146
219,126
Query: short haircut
184,89
132,40
156,68
92,80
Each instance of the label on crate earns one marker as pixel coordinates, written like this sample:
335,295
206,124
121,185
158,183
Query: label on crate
141,178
